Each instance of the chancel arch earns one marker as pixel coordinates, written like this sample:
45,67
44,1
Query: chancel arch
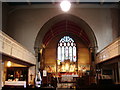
51,44
64,18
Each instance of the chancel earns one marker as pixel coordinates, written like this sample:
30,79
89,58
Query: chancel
60,44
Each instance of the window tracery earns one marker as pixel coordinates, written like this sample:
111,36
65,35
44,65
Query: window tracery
66,49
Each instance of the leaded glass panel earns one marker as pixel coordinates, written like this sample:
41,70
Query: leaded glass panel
66,49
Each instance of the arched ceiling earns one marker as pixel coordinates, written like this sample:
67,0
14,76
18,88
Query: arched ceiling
65,26
65,23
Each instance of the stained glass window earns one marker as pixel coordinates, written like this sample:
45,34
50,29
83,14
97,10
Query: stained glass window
66,49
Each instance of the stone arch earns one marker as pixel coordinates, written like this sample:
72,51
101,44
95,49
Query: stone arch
58,18
39,45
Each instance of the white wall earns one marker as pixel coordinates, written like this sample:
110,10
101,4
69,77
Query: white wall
24,24
0,16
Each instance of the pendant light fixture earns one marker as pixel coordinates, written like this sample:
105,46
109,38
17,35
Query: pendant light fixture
65,5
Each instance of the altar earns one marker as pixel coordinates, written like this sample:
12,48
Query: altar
15,83
16,77
68,78
67,72
18,84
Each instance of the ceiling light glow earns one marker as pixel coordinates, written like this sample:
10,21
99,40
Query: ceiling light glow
9,63
65,5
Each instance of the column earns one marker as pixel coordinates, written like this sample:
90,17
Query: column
93,57
0,71
118,72
36,55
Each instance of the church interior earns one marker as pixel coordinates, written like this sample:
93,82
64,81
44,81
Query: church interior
43,45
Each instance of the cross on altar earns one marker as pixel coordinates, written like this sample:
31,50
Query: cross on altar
31,76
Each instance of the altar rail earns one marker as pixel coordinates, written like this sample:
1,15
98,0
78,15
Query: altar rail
12,48
109,52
